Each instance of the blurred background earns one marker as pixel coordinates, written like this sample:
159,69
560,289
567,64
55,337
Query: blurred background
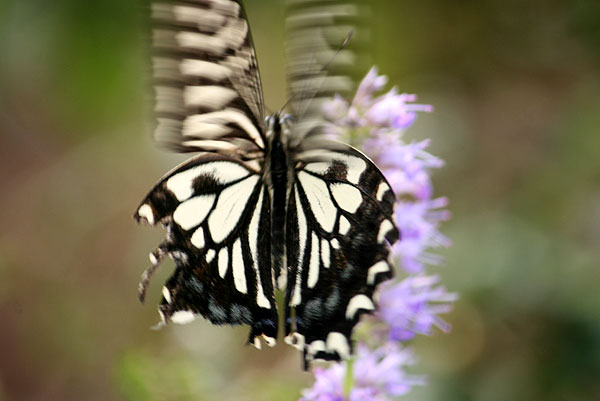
516,87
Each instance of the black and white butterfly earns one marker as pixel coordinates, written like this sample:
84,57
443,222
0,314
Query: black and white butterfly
268,203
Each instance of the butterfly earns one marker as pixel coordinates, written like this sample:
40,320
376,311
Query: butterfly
269,203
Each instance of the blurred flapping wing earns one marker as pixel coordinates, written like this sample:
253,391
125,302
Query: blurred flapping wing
208,94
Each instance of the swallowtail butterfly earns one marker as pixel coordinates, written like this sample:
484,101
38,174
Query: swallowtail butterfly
268,203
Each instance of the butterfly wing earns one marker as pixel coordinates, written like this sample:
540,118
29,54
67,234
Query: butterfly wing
339,230
216,210
325,49
208,95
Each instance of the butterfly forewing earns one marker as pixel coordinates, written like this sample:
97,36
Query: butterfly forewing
217,213
323,51
207,86
339,228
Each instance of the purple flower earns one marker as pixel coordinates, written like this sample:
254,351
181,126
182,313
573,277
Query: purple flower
393,110
336,109
328,384
412,306
370,84
388,111
418,222
378,375
406,166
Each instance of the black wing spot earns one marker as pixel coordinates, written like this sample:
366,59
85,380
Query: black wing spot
337,171
205,183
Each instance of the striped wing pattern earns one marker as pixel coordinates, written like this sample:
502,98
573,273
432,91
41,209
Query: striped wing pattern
217,213
335,260
208,93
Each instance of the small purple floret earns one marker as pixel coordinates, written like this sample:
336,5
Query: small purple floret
412,306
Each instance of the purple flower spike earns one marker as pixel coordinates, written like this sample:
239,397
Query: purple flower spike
378,376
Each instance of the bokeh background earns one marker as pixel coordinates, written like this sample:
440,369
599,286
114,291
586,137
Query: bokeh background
516,87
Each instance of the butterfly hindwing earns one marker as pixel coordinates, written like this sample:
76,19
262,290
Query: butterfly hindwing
339,229
207,87
217,213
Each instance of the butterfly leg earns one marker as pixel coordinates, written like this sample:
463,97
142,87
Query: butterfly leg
156,257
265,328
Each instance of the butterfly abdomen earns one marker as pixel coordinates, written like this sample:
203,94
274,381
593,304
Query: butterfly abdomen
279,182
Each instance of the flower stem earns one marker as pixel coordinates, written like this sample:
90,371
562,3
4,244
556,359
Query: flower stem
349,379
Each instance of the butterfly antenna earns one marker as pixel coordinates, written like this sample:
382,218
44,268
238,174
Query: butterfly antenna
331,60
304,92
339,50
286,103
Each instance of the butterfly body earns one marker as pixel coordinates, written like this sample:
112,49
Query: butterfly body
267,203
279,176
